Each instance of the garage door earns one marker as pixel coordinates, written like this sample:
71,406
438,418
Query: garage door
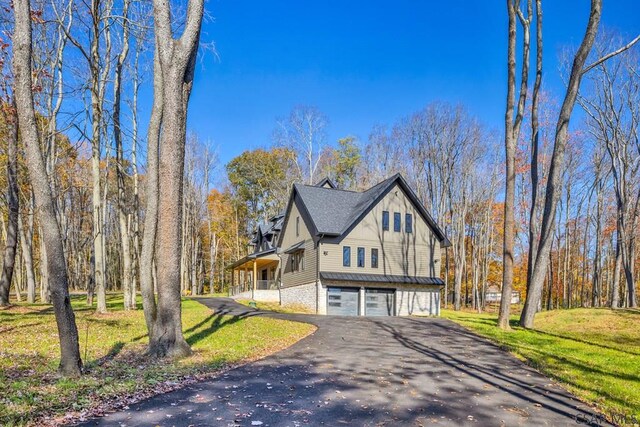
379,302
343,301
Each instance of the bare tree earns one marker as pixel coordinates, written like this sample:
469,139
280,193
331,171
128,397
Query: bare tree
304,132
70,361
554,184
512,131
13,204
176,64
128,284
614,117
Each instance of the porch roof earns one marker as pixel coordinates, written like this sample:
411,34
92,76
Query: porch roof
261,258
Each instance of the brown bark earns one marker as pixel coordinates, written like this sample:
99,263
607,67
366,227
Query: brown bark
70,362
554,183
177,65
13,203
533,224
151,214
512,130
128,285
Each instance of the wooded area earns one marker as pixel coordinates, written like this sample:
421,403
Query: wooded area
82,208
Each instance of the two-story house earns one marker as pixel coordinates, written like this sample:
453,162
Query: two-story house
373,253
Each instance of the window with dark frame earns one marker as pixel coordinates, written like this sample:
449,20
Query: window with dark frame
297,261
360,257
346,256
408,223
397,222
385,220
374,258
297,226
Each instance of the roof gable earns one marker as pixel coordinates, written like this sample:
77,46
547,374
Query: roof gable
333,213
327,183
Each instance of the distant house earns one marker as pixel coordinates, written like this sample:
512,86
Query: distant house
337,252
494,294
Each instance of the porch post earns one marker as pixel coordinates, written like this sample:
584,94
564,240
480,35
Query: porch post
255,276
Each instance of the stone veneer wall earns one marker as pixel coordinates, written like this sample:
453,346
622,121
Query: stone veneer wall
266,295
417,302
304,295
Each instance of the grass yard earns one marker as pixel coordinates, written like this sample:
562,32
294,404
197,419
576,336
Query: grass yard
595,353
276,307
112,347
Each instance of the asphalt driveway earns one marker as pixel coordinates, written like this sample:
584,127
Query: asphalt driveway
366,372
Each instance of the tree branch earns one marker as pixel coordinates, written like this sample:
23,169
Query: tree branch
611,55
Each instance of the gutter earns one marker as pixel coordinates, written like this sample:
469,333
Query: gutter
318,273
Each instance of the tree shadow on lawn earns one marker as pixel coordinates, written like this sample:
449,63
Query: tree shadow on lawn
218,319
627,341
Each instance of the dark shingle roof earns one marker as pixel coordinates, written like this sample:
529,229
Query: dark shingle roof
334,211
381,278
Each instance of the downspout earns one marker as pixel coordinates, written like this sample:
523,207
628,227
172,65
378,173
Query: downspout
318,274
279,276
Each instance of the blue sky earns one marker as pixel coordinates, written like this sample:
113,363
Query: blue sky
365,62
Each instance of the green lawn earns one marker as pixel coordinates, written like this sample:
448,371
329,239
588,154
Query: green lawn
595,353
112,347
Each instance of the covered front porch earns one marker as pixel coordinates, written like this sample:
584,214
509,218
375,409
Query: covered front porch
256,276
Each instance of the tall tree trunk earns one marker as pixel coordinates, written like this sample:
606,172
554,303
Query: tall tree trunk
512,131
127,282
554,182
535,147
96,119
177,65
26,244
597,262
13,205
134,164
70,361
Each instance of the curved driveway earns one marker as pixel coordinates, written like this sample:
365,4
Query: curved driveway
356,371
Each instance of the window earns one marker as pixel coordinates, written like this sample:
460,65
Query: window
360,257
397,222
346,256
297,261
374,258
297,226
408,223
385,220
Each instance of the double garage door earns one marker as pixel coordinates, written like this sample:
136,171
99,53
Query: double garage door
346,302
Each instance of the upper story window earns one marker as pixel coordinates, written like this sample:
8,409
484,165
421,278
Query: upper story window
346,256
408,223
360,257
385,220
374,258
397,222
297,226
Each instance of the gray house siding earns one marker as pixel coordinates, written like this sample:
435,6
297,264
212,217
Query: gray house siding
399,253
290,238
